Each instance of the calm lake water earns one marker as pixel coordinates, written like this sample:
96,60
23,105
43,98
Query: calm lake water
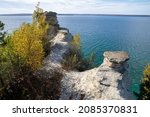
105,33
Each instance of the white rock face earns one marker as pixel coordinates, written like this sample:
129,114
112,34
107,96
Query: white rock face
102,83
59,47
107,82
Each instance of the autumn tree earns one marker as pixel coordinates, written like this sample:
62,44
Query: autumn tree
21,57
27,45
30,40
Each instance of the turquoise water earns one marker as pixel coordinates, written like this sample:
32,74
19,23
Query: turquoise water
106,33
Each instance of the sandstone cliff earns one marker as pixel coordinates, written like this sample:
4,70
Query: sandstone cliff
109,81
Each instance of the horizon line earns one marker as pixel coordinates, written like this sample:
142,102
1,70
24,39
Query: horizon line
27,14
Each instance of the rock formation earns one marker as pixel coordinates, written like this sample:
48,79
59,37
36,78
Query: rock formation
51,19
109,81
116,60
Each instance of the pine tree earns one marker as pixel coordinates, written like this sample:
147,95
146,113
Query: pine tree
2,34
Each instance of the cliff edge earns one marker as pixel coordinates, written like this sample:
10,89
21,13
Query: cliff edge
108,81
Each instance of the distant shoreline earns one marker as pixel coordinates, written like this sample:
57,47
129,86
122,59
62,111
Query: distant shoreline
28,14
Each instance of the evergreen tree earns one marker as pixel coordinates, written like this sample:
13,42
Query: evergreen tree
2,34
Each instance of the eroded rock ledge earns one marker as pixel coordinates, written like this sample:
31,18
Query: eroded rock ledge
108,81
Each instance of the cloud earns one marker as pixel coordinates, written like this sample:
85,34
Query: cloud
78,6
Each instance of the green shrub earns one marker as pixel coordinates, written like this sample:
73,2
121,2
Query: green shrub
20,58
22,54
6,70
145,85
31,87
2,34
23,50
74,59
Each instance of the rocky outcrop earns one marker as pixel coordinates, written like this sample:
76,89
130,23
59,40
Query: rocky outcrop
116,60
105,82
60,45
51,19
108,81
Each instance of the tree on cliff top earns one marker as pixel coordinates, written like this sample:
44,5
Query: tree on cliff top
27,45
21,57
39,19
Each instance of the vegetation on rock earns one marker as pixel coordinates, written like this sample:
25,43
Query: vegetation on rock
21,57
29,87
74,60
145,85
39,20
27,45
23,52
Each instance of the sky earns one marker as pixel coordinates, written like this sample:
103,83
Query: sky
131,7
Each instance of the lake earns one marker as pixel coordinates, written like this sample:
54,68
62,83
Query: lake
105,33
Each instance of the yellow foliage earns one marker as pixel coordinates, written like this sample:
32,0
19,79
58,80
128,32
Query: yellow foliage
147,72
76,41
145,84
39,19
27,44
